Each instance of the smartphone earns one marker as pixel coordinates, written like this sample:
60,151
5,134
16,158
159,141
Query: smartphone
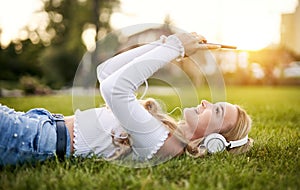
222,45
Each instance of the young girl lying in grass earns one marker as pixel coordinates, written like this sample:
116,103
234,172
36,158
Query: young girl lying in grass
127,128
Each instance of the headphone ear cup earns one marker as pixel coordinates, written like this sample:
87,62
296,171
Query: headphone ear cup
215,143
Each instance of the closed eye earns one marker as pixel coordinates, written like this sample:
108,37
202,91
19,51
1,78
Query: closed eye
219,110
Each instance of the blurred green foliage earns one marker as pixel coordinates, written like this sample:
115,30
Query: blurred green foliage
55,63
32,85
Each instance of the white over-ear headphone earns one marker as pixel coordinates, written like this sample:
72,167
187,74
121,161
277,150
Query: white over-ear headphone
217,143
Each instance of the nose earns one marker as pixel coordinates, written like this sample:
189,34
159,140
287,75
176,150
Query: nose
205,103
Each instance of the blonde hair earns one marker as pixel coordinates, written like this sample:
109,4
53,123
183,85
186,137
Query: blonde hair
237,132
123,145
240,130
155,109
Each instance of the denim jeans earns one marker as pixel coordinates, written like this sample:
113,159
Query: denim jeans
27,137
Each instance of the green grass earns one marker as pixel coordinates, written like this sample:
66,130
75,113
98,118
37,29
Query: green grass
273,163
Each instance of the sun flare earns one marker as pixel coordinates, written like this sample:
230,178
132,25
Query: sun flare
249,25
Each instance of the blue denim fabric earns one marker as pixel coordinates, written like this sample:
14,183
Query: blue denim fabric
27,137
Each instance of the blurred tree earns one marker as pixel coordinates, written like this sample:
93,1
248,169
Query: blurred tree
69,19
20,59
56,60
270,59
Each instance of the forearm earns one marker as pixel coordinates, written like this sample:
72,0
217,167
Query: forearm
108,67
118,89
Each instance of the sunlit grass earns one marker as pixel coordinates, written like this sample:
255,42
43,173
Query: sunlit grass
273,163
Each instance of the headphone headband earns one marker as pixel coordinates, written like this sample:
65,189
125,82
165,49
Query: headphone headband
238,142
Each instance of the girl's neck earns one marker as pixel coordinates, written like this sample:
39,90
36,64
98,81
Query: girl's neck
172,147
185,130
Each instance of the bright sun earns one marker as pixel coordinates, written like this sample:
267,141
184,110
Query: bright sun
248,29
251,36
248,24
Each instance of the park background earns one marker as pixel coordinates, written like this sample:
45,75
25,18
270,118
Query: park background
43,43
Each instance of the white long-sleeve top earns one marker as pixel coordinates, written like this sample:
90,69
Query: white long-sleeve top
119,78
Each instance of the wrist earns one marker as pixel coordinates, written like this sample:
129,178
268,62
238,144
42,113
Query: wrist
174,42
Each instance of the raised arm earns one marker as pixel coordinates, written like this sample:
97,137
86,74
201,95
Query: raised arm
118,92
113,64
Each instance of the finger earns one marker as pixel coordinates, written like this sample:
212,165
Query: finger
194,34
200,38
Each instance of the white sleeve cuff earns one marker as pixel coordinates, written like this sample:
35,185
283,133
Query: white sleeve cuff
173,42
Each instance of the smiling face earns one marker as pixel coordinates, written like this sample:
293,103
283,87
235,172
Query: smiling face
209,118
